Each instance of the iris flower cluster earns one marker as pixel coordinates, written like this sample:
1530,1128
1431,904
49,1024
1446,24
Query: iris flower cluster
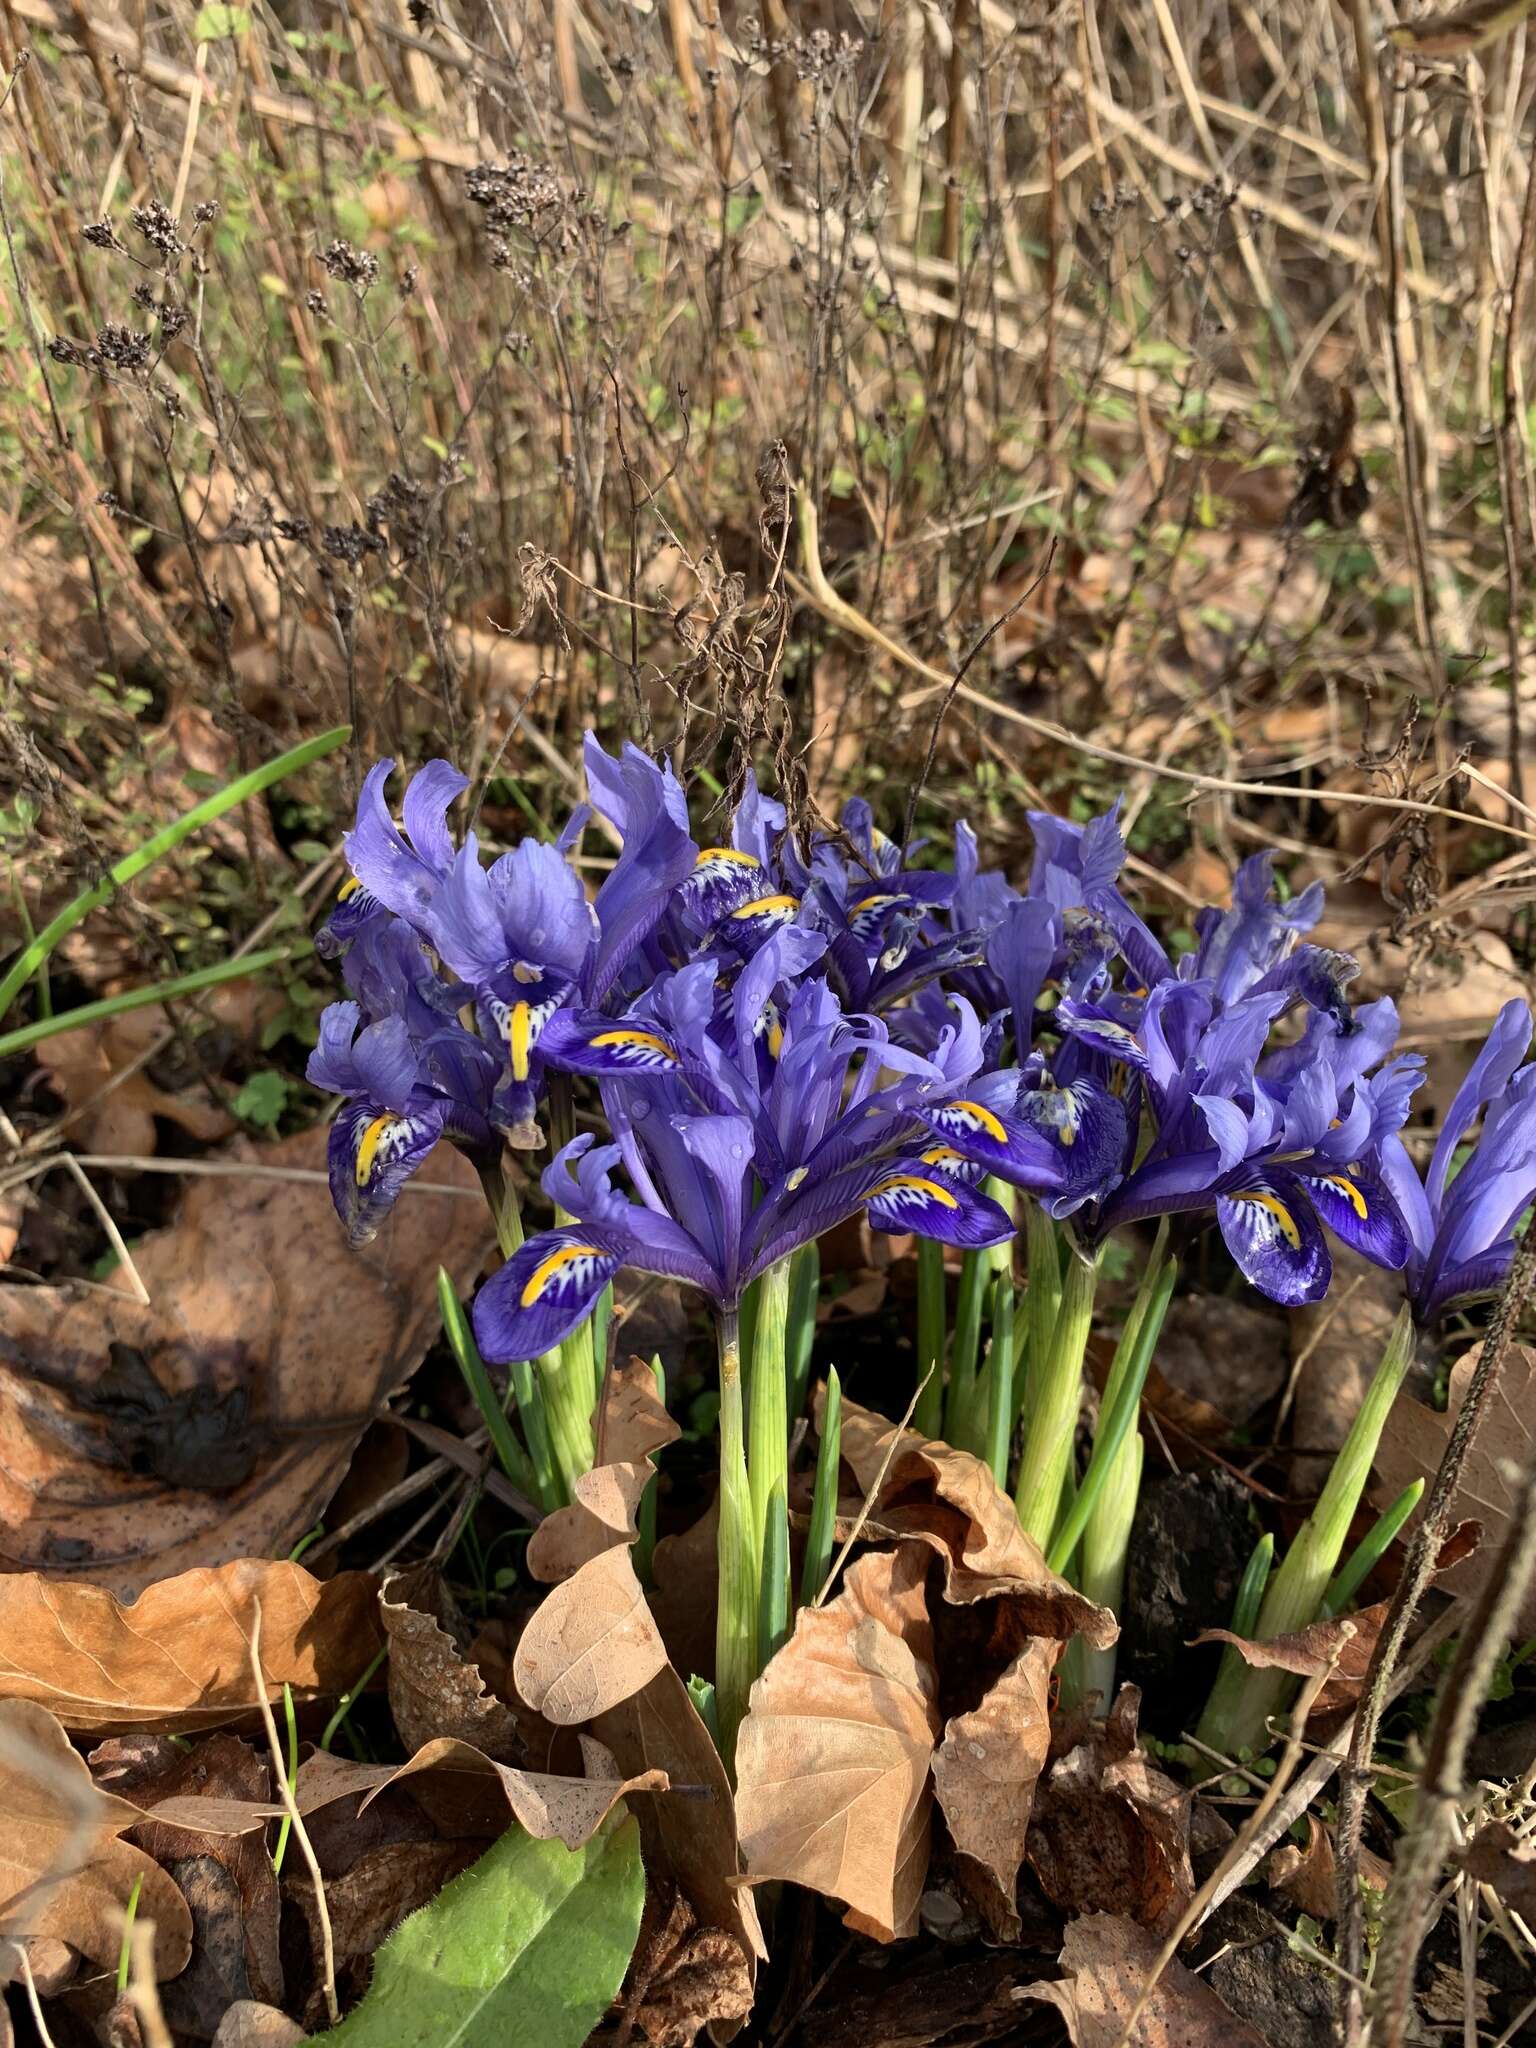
782,1037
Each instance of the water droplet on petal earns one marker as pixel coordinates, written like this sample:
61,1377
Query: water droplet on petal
537,935
641,1111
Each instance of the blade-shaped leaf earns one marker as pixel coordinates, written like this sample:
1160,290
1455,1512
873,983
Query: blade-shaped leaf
530,1944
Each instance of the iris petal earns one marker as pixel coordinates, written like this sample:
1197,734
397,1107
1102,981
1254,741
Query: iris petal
1001,1142
544,1290
1272,1232
371,1154
909,1195
1359,1211
583,1042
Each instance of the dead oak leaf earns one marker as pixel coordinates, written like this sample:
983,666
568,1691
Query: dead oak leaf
1107,1963
632,1424
434,1688
178,1658
101,1071
950,1500
1414,1442
1308,1876
217,1423
65,1871
590,1644
984,1776
832,1760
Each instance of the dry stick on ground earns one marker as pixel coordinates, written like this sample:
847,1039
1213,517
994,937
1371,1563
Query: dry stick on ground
1421,1853
301,1833
1509,467
1237,1851
1418,1568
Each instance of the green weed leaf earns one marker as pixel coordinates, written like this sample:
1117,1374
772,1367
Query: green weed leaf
530,1944
216,24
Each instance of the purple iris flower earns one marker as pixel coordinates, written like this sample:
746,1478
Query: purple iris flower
749,1126
1461,1225
412,1074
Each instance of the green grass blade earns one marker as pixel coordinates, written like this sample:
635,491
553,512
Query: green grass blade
1371,1549
155,992
32,956
818,1546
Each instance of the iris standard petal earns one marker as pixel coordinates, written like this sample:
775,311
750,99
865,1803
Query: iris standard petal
424,810
544,1290
1492,1070
1273,1234
1360,1212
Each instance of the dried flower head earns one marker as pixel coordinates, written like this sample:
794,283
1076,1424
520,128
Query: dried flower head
349,265
159,227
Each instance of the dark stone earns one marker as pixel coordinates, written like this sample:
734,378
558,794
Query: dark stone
1192,1538
1262,1978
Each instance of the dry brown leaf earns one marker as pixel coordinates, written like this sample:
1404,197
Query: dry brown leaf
950,1501
468,1793
93,1071
590,1644
434,1689
632,1424
249,2025
1497,1856
225,1875
1107,1961
984,1776
217,1423
685,1590
1414,1442
178,1658
364,1905
65,1871
1110,1830
684,1977
1308,1876
693,1837
1336,1344
832,1759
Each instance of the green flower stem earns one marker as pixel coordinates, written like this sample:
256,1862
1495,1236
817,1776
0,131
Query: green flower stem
515,1461
928,1416
152,992
818,1546
1243,1700
804,1287
556,1460
32,956
736,1625
1118,1409
1042,1299
1106,1543
1371,1548
960,1395
1047,1461
768,1453
999,1378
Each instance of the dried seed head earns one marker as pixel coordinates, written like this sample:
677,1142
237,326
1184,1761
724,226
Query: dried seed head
352,266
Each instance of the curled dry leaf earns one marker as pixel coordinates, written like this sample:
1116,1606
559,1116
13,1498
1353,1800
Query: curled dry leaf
1106,1962
178,1658
1307,1876
832,1759
1414,1442
65,1871
591,1644
950,1501
1110,1830
1497,1856
984,1776
632,1424
466,1792
684,1977
693,1837
434,1689
216,1423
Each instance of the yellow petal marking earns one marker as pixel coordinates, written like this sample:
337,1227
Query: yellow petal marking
547,1269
